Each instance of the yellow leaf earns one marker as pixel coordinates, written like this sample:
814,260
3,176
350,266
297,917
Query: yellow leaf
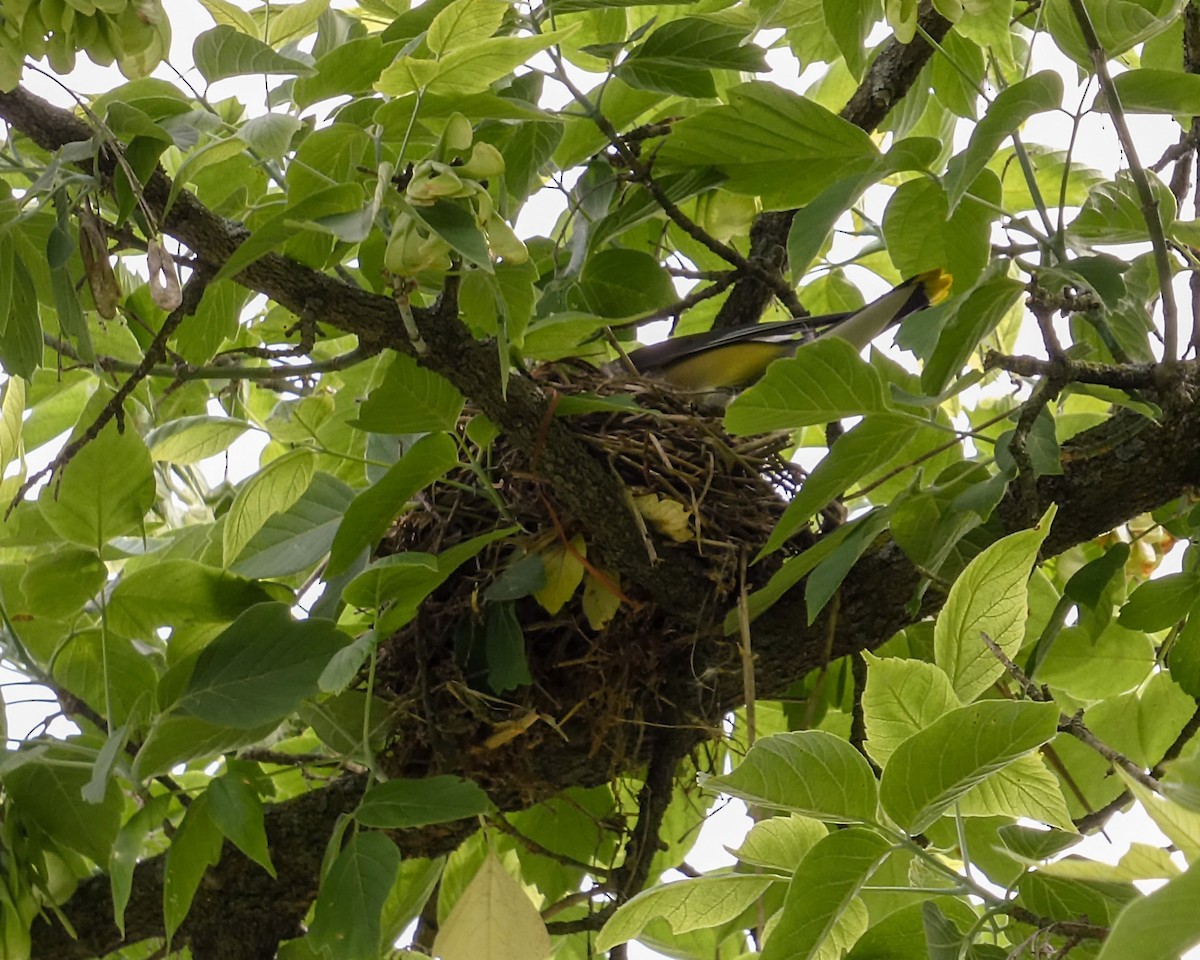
564,571
669,517
601,600
492,920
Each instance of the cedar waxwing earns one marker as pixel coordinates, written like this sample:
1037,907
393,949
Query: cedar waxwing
732,359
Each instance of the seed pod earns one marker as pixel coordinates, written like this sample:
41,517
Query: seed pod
164,280
93,248
485,161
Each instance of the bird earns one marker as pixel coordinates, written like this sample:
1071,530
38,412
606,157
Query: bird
735,359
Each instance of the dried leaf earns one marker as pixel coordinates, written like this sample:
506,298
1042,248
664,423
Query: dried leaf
509,730
669,517
564,571
164,280
93,248
601,599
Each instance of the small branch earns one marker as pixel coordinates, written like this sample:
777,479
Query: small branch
1126,376
1076,728
192,292
1030,689
501,823
1067,928
640,173
1047,389
1043,312
747,652
1141,183
653,800
1073,725
221,371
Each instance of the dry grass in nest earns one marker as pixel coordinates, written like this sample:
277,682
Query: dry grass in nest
604,684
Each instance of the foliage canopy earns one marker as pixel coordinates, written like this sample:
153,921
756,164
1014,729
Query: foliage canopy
464,647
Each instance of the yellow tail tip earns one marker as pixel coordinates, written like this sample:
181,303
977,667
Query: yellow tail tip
937,285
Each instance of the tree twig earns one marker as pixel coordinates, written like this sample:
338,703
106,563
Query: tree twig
1141,182
193,290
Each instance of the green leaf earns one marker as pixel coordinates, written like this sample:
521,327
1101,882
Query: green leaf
373,510
1007,113
271,134
464,22
813,222
264,494
825,381
351,67
58,583
871,446
901,698
932,769
403,804
1120,25
411,399
294,21
172,593
1113,212
306,213
338,721
1092,668
455,224
48,792
400,582
128,848
923,234
1179,824
1025,788
621,283
177,738
1160,926
12,411
1147,90
1160,603
508,666
260,667
237,811
969,322
829,573
848,25
187,440
297,539
780,843
1088,583
990,597
224,52
681,54
104,492
470,68
822,889
195,847
346,916
770,143
21,337
809,772
224,11
684,905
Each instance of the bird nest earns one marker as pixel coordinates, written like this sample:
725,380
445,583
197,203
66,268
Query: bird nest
491,665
